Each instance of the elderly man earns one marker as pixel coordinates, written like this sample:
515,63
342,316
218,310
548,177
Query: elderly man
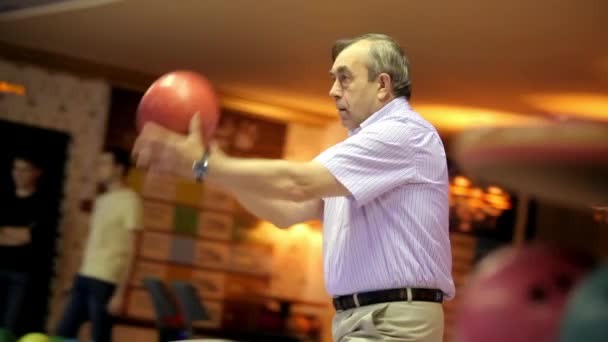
382,195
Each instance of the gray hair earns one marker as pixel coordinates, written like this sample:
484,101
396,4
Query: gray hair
386,56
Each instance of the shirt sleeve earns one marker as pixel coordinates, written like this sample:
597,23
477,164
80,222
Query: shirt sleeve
375,160
134,214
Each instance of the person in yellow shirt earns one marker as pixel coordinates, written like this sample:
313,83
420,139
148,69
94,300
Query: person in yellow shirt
99,286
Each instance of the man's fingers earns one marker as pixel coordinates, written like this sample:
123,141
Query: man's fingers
160,151
143,156
149,132
136,146
158,155
147,143
145,151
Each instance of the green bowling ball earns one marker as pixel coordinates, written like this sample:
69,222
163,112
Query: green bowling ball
34,337
586,315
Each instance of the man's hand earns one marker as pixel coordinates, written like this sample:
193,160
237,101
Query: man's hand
115,305
15,236
161,150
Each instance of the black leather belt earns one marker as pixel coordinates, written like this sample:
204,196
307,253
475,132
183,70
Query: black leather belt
383,296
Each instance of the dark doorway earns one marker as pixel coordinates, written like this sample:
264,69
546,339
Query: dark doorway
49,148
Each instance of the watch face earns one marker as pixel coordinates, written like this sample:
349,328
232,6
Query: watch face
199,168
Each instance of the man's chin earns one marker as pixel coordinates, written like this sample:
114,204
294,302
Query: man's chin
348,124
345,123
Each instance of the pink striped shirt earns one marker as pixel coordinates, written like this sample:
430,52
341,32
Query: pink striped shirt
393,231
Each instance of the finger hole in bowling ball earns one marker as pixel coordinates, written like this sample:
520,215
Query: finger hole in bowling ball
564,282
537,294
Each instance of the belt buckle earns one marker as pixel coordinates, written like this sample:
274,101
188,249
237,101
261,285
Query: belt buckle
356,300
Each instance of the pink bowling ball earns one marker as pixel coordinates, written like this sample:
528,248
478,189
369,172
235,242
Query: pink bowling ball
519,294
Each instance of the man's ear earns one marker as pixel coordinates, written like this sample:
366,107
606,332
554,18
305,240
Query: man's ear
385,86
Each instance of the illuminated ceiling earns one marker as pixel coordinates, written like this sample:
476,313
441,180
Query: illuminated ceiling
474,62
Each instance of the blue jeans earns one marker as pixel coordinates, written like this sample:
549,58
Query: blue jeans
13,287
88,301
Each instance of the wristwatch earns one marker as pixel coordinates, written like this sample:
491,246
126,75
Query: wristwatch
200,167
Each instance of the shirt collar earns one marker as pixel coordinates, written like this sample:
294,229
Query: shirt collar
381,113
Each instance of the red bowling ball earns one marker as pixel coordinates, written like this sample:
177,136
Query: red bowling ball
174,98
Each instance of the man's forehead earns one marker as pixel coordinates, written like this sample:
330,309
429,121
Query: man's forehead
352,57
